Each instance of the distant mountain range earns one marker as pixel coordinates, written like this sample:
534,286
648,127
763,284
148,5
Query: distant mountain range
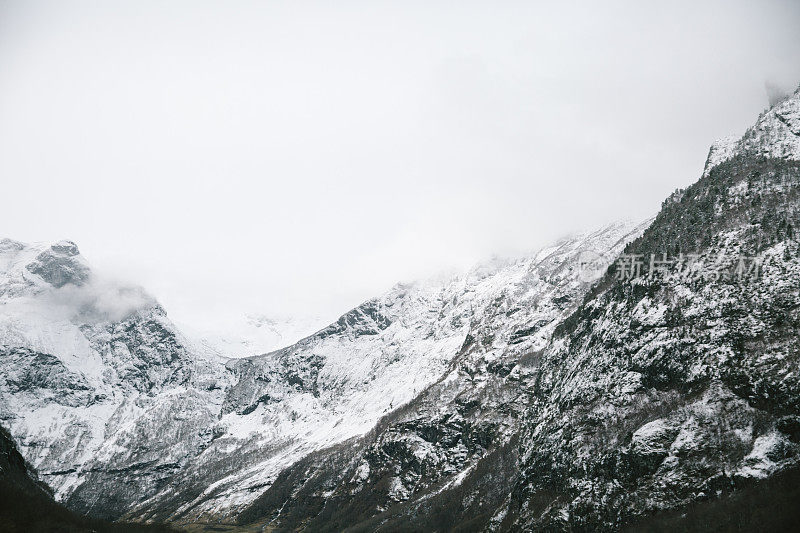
641,376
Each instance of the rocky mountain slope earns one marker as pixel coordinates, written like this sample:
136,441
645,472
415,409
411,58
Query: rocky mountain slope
523,395
675,384
96,381
473,409
679,384
125,417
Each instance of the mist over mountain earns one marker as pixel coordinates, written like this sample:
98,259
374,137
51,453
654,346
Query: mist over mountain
399,267
643,375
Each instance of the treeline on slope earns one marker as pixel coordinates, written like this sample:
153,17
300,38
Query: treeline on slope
690,220
26,504
768,203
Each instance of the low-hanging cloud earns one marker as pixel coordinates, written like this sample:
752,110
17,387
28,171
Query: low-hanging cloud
101,299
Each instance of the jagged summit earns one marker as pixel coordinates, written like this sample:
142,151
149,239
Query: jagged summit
60,265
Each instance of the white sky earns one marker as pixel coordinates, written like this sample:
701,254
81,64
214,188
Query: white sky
299,157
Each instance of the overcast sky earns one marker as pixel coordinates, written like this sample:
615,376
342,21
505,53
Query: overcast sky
299,157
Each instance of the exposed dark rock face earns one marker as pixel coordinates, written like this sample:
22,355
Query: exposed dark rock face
366,319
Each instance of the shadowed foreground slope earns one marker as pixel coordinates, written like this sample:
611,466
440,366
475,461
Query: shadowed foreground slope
26,505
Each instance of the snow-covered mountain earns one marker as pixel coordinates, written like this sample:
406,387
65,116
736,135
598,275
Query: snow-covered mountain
656,403
525,394
94,373
682,384
123,415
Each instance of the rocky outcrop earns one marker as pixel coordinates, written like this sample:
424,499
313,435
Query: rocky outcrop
60,265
